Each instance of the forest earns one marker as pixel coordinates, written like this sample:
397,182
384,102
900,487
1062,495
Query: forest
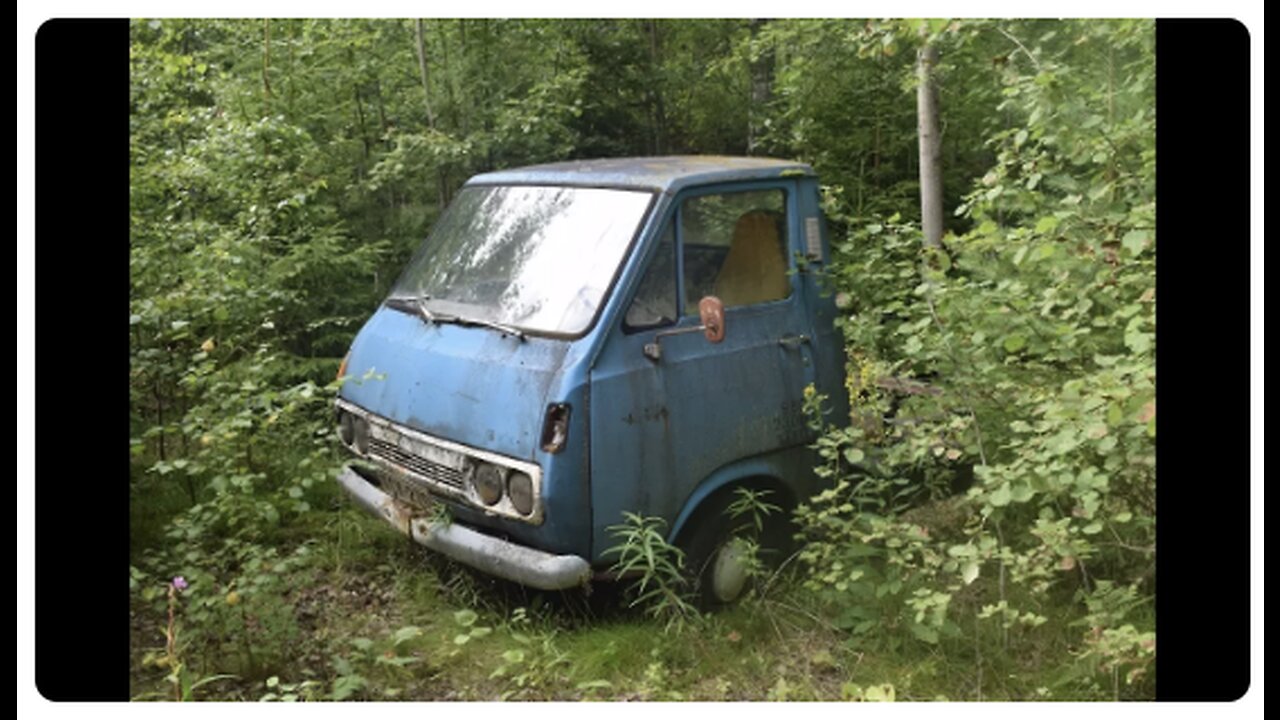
283,171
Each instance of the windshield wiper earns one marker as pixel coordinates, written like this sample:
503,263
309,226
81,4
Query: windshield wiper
419,305
505,329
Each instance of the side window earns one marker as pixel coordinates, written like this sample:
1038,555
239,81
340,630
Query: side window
655,300
735,247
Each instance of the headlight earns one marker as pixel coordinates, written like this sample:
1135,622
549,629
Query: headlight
345,430
520,491
487,481
360,434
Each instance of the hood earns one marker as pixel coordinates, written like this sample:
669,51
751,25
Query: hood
471,385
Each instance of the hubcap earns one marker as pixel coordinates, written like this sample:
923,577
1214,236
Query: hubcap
729,573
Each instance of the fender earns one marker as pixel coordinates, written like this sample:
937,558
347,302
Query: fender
790,467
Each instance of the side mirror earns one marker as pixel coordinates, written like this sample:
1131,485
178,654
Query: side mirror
711,315
711,312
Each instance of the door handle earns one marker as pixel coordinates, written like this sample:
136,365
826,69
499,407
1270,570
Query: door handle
792,342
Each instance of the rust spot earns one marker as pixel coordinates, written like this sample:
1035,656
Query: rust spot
397,514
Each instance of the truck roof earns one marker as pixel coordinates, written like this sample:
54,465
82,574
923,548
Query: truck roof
667,174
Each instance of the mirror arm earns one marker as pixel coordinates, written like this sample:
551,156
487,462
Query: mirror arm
653,350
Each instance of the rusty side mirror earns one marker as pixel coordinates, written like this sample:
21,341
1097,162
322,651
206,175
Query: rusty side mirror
710,312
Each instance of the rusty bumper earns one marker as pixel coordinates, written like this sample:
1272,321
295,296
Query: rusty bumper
492,555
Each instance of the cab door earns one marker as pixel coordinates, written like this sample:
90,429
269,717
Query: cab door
660,426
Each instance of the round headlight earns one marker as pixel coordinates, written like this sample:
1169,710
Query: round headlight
487,481
520,490
360,434
345,430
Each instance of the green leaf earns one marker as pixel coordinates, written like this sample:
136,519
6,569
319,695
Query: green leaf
882,693
1135,240
465,617
594,685
406,634
970,573
1021,493
854,455
1139,342
1015,342
347,685
1047,224
922,632
1000,496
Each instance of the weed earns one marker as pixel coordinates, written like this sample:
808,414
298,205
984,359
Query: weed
306,690
468,630
185,682
644,553
534,666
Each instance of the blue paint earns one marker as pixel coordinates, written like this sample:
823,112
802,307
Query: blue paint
649,437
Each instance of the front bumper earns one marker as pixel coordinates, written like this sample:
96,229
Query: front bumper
505,559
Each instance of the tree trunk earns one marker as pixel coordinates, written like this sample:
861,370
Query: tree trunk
761,87
657,111
930,147
426,100
422,69
266,67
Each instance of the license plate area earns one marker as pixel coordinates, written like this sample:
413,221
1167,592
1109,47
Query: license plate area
409,491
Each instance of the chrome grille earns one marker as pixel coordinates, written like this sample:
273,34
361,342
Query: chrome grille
415,463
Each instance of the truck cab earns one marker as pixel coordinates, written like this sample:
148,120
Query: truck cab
580,340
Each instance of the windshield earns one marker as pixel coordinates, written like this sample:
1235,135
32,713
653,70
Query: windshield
533,257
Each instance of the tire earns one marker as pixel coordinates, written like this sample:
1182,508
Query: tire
715,555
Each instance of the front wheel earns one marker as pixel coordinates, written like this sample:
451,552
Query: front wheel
719,559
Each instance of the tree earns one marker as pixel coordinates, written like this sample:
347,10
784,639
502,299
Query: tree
930,145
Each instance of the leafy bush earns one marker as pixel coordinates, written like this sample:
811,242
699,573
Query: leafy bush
1024,350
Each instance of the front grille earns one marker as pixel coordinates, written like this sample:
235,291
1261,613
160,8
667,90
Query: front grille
416,464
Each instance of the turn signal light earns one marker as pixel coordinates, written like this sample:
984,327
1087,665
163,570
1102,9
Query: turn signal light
342,368
555,427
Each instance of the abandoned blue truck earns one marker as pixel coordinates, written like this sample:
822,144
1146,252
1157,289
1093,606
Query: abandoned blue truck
578,340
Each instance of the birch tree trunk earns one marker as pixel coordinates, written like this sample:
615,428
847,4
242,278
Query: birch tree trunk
930,147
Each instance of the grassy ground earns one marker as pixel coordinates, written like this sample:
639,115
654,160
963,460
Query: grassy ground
369,615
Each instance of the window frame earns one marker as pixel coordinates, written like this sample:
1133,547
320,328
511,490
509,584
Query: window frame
648,264
788,209
674,217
